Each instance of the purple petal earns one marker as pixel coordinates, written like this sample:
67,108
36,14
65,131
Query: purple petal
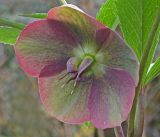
64,101
116,54
111,98
44,47
82,25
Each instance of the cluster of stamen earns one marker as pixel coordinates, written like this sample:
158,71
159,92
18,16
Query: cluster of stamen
76,69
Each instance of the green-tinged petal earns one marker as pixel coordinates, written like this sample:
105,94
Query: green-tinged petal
115,53
82,25
44,47
64,101
111,98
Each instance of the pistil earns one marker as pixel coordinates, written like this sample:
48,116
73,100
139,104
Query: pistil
76,69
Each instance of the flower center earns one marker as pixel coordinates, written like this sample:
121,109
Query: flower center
77,66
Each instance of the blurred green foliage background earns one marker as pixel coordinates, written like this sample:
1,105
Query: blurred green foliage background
21,112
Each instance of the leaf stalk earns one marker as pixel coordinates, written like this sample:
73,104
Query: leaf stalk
4,22
140,86
119,131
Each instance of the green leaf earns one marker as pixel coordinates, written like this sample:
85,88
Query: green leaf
137,18
8,35
88,124
35,15
107,14
151,55
153,72
133,128
4,22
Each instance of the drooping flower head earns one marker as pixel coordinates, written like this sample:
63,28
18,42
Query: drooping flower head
85,70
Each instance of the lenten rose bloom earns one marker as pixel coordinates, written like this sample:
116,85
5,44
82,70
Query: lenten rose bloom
85,70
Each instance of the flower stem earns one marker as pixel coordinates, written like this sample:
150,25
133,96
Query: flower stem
119,131
63,2
132,119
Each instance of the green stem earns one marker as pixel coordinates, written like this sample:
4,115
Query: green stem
4,22
143,63
132,117
119,131
63,2
139,120
95,132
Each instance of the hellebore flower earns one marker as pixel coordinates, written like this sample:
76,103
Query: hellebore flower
85,70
